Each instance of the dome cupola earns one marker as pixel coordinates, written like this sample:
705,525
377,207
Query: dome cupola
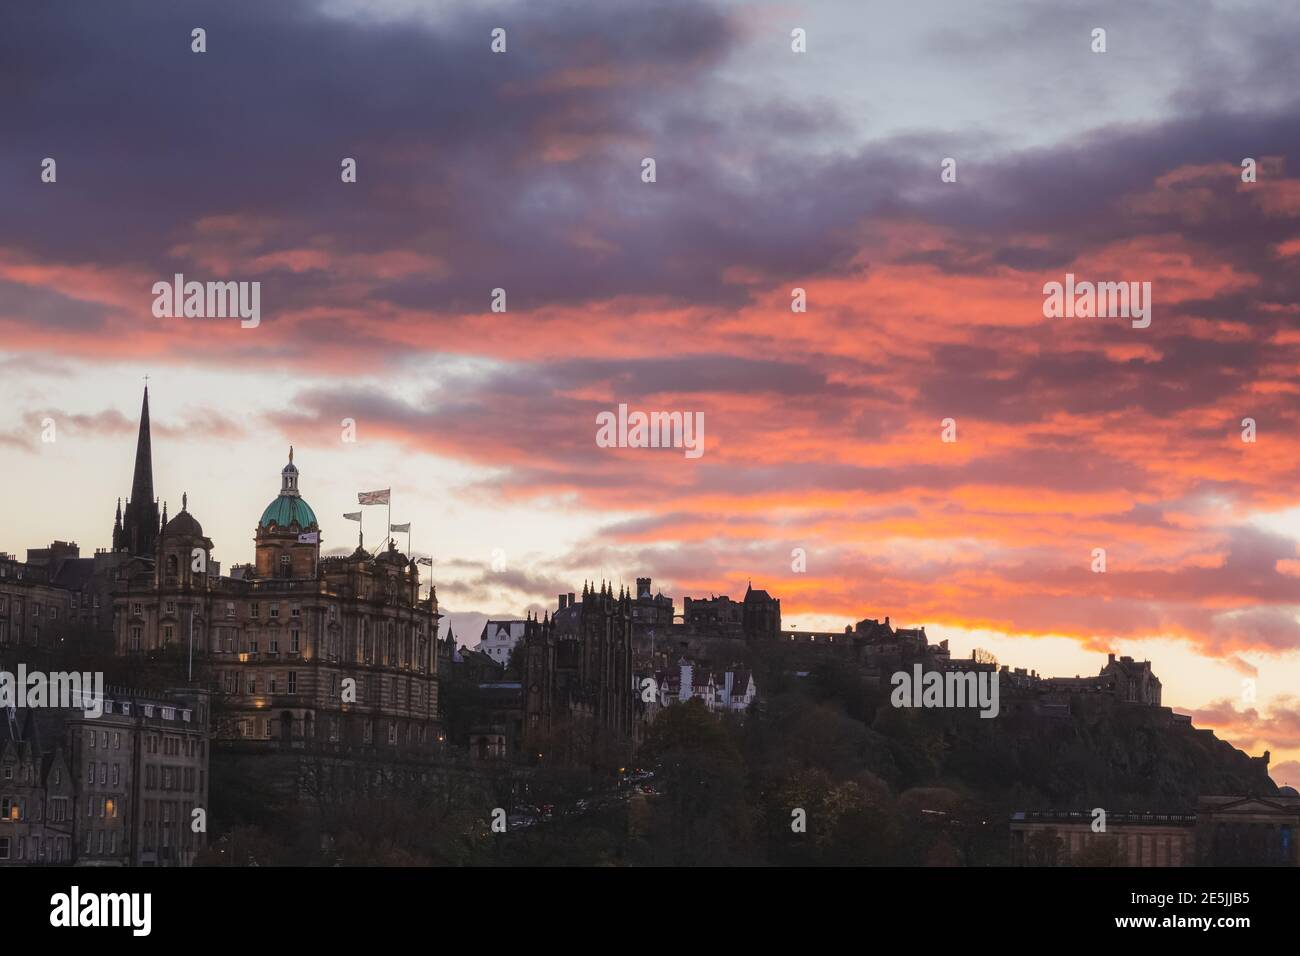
289,509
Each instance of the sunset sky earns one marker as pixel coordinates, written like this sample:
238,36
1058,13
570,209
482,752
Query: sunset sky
775,170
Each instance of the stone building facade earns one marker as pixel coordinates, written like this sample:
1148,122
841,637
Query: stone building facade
302,649
112,790
1224,831
580,703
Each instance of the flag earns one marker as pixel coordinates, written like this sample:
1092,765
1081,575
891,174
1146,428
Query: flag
425,561
311,537
373,497
353,516
401,527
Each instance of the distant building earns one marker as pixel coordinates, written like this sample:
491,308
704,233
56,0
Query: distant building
756,618
1224,831
35,614
730,691
652,613
1132,681
499,639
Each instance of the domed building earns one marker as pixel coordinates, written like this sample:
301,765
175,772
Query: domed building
307,652
288,536
183,551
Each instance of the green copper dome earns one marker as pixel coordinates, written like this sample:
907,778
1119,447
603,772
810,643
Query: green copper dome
287,510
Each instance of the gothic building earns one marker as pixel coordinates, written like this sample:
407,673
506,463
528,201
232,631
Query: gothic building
302,650
580,702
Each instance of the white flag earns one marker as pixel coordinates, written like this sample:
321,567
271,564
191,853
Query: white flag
353,515
311,537
425,561
401,527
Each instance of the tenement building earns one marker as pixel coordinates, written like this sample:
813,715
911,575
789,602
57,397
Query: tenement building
116,789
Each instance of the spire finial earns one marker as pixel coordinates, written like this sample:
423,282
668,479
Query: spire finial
291,454
185,501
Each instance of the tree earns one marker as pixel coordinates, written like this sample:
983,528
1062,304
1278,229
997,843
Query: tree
700,815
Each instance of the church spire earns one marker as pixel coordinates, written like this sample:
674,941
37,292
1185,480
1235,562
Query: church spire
138,534
142,483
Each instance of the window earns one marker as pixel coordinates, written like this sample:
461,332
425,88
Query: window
293,682
169,713
90,775
230,609
275,645
4,848
116,778
275,610
137,609
293,642
254,609
135,638
171,607
117,740
167,634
